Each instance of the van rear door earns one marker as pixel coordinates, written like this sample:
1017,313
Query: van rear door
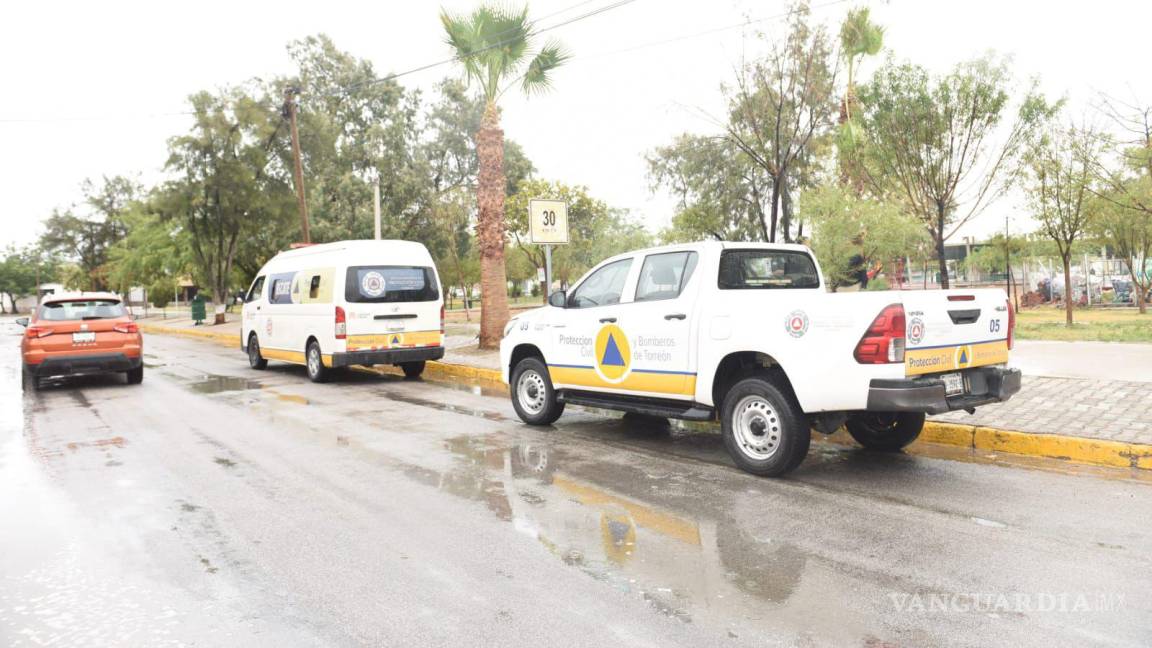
949,330
392,307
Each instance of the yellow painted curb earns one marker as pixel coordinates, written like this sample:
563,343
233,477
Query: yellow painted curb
1068,448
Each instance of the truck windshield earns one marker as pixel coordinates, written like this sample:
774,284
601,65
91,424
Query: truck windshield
754,269
383,284
87,309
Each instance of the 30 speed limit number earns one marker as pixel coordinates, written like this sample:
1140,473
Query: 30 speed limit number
548,222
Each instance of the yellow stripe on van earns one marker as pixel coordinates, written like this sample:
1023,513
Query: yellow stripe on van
293,356
681,384
951,358
398,340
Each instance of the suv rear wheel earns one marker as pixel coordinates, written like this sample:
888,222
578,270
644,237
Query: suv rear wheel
533,396
764,429
29,381
135,376
885,431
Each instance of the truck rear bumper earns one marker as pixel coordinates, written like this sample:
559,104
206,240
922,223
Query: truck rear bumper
387,356
984,385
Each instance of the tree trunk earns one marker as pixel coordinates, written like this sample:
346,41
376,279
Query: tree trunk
1067,289
490,229
786,210
219,297
775,211
939,236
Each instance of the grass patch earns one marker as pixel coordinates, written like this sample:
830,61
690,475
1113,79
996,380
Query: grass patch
1098,324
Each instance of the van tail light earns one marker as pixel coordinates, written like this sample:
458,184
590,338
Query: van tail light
1011,324
34,332
341,324
127,327
441,319
883,342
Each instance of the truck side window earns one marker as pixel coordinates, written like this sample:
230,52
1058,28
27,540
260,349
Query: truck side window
603,287
663,276
753,269
255,290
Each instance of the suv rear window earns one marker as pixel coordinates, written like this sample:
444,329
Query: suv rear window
89,309
761,269
384,284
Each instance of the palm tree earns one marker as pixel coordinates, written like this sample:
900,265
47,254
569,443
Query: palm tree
494,46
859,37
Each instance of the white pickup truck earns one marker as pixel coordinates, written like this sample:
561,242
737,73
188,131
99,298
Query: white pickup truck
747,332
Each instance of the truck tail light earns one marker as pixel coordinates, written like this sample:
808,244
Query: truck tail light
441,319
37,332
126,327
1011,324
883,342
341,324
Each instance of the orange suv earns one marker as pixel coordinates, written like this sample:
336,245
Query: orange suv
79,334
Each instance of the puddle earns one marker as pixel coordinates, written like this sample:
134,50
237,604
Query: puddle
213,384
448,407
625,528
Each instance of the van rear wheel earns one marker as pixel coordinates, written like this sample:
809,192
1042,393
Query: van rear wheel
412,370
317,372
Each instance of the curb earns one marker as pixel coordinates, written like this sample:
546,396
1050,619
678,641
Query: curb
1079,450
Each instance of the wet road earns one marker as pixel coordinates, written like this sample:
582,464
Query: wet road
214,505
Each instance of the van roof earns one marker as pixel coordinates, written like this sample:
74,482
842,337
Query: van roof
355,252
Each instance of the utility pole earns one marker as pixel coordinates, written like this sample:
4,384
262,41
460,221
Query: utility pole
376,205
1007,259
298,175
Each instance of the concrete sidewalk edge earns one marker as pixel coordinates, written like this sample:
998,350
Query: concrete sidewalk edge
1068,448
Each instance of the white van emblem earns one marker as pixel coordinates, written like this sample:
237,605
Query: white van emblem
372,284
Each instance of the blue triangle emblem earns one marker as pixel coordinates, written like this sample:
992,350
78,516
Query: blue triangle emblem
395,339
964,356
612,354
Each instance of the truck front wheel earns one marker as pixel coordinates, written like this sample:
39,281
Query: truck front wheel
764,429
533,396
885,431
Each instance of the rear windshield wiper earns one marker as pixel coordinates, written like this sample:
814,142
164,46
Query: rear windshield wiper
92,317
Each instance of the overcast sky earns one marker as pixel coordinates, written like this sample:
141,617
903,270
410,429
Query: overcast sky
87,85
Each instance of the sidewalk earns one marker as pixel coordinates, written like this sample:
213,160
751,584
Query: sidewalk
1083,419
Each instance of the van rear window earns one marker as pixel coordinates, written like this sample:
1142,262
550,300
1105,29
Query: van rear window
382,284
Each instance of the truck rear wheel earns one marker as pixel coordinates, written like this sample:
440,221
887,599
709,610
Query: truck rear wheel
533,396
764,429
885,431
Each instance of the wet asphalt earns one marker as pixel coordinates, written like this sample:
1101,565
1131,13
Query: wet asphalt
214,505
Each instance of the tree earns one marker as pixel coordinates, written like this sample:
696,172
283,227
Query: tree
859,37
21,269
86,238
493,44
847,228
1060,174
780,106
937,143
596,230
721,194
221,192
153,249
1125,217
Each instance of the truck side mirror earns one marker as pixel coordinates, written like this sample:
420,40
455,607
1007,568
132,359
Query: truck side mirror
22,321
559,299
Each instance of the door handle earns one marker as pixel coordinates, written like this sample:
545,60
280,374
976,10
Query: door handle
257,308
607,320
672,316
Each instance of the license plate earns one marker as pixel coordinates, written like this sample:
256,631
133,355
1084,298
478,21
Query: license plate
953,384
83,338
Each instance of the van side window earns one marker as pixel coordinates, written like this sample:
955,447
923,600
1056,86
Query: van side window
256,289
603,287
663,276
314,288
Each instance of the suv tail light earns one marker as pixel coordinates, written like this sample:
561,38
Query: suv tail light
341,324
883,342
1011,324
441,319
126,327
37,332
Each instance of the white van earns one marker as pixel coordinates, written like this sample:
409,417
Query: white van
346,303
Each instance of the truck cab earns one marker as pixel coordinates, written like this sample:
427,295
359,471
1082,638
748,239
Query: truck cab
748,334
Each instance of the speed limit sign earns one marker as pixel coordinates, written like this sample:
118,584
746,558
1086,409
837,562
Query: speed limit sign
548,222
